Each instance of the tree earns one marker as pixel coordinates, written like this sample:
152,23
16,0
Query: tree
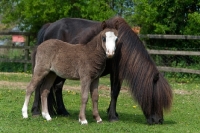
164,16
30,15
169,17
193,24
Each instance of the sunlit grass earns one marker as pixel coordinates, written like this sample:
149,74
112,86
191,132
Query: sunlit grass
183,117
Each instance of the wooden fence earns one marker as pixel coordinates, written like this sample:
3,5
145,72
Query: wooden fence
27,50
169,52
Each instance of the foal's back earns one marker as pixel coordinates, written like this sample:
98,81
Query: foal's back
66,60
60,56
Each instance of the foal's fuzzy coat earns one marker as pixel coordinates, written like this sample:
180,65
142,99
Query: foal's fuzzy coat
85,62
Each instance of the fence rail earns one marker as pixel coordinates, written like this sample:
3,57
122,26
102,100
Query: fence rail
28,48
169,52
157,36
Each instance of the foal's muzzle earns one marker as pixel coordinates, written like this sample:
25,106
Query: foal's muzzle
110,54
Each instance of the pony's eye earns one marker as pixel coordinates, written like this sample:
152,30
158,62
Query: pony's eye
116,40
103,39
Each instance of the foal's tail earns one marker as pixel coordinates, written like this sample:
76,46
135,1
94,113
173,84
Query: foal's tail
40,35
33,58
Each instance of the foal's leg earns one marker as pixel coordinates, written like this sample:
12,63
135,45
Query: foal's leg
35,81
95,98
85,86
45,88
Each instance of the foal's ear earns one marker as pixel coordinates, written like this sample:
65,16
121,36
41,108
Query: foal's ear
103,25
117,25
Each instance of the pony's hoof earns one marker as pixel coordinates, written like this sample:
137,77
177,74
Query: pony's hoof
113,119
99,121
84,122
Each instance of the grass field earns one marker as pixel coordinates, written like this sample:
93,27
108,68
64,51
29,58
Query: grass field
184,116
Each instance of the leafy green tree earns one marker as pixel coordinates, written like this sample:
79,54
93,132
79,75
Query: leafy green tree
193,24
30,15
169,17
165,16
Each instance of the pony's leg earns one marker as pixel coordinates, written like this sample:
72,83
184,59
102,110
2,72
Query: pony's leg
35,110
47,83
95,98
55,99
35,81
61,110
116,83
85,86
51,101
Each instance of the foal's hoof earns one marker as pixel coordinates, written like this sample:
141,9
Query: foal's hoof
48,119
46,116
84,122
25,115
99,121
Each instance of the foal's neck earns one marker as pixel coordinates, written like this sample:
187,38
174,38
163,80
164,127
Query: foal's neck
95,45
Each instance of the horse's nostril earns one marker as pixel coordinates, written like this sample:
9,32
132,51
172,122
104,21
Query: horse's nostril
158,120
155,119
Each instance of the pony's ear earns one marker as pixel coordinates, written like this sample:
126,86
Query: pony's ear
117,25
103,25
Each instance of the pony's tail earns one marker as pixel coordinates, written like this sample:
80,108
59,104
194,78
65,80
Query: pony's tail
40,39
40,35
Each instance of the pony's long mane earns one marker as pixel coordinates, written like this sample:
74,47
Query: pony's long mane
140,72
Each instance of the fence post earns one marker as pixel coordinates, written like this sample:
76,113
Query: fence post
26,53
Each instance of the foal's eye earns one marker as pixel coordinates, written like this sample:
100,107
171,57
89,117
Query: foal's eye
103,39
116,40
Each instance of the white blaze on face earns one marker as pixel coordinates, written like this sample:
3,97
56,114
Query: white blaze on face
110,43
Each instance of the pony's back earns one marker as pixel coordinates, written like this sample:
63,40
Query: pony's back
40,35
67,28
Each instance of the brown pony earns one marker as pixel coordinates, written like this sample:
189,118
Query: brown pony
131,63
85,62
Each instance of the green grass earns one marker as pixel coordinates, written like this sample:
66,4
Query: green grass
183,117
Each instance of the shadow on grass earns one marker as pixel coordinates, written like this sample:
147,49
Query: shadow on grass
123,117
